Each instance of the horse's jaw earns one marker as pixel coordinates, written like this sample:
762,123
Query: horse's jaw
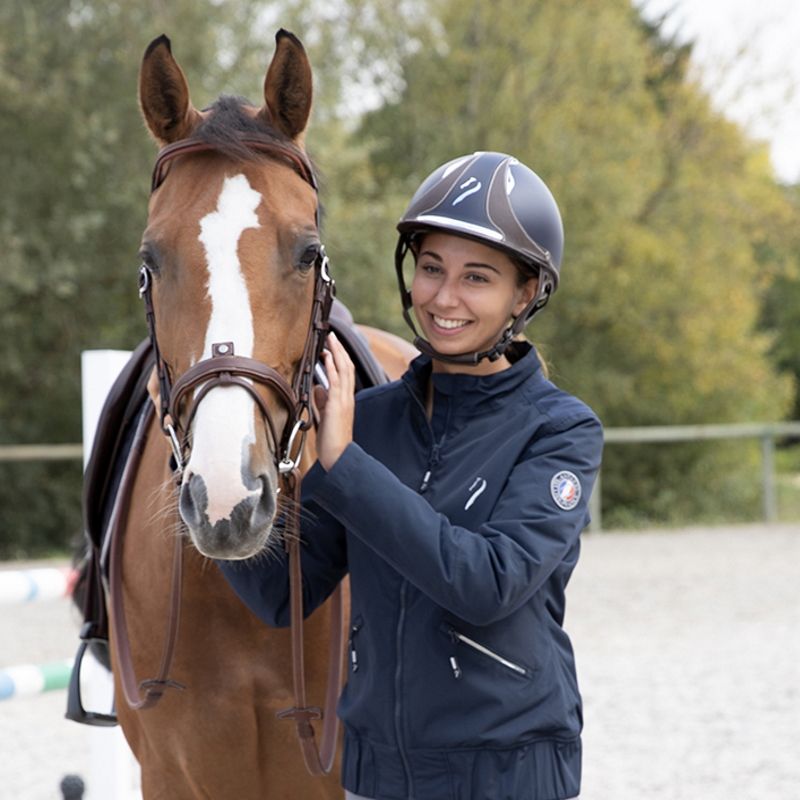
241,532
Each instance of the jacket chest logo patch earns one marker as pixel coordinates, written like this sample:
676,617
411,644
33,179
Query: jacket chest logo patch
565,489
478,487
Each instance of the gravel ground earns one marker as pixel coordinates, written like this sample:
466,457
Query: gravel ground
688,646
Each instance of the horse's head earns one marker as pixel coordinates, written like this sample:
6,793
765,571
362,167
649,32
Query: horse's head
231,252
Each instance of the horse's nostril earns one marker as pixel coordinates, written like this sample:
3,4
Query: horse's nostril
264,509
193,501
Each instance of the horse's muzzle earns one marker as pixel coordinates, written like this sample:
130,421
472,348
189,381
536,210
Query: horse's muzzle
241,534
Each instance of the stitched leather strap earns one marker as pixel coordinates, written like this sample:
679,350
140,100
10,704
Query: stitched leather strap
140,695
285,151
318,759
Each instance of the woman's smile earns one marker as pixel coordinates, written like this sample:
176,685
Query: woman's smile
448,326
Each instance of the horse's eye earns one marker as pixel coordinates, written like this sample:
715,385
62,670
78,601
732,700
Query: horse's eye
309,257
148,259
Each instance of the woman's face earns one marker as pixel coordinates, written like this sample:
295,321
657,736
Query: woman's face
465,293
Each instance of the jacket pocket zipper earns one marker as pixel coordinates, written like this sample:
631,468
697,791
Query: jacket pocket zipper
353,652
486,651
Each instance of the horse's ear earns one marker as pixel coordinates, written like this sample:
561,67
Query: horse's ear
287,87
164,94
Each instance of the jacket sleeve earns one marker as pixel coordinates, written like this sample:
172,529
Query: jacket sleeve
262,582
480,575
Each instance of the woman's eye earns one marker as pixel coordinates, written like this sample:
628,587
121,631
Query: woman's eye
431,269
475,277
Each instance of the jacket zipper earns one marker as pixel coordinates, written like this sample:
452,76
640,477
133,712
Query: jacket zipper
433,459
353,652
456,636
432,462
398,677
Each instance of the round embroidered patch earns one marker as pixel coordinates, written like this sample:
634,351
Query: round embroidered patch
565,489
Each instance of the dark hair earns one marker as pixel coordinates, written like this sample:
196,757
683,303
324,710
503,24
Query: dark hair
525,270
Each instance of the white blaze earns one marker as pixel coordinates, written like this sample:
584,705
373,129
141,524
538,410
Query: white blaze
224,426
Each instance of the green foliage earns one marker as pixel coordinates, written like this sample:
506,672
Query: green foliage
676,229
672,217
75,160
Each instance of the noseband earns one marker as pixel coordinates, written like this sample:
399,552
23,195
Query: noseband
225,368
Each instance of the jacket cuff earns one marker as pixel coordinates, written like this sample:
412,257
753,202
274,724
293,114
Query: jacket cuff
335,486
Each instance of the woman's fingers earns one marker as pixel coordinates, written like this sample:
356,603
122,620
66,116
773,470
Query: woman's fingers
336,423
320,398
339,366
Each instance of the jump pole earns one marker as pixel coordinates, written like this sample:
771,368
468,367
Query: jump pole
19,586
113,771
26,680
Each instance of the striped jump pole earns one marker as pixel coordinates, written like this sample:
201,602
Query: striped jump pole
30,585
26,680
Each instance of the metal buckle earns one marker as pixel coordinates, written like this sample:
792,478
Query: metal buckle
144,280
287,463
176,447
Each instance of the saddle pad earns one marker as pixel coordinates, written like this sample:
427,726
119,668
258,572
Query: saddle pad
369,372
112,441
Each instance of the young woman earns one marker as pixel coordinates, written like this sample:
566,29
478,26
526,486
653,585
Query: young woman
454,498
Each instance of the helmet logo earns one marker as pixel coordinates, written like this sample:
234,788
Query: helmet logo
465,194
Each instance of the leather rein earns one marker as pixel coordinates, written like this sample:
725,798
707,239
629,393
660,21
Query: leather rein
225,368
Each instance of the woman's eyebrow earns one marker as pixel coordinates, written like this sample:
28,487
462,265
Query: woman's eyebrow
480,264
469,264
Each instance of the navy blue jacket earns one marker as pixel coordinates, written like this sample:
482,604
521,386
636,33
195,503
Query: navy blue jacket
459,535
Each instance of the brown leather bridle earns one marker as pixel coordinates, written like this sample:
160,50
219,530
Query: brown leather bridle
225,368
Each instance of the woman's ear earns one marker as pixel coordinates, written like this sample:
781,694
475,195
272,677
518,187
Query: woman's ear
525,294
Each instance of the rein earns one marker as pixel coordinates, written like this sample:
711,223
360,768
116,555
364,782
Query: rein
225,368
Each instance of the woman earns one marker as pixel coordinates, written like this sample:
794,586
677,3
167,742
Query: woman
454,498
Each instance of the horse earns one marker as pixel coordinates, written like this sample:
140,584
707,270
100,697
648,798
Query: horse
229,253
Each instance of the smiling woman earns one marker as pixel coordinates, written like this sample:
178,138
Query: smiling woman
454,498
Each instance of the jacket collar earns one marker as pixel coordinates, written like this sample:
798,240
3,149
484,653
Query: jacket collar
468,389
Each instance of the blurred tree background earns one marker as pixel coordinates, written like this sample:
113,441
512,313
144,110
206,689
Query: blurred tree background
680,298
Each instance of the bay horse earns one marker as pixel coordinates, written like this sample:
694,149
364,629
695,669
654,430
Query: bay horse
230,253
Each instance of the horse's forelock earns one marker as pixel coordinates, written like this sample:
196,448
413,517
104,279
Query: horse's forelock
225,123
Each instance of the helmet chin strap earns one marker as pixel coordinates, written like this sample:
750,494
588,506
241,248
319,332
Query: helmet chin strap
539,301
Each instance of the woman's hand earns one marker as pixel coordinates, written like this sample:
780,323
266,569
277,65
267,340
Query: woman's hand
337,405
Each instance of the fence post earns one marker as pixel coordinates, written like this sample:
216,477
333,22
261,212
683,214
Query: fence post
768,473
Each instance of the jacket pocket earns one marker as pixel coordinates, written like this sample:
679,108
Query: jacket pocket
461,643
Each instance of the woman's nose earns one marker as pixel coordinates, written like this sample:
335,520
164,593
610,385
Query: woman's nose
447,296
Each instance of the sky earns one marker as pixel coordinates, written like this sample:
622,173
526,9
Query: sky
747,55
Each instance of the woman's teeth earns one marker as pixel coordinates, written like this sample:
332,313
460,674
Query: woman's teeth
450,323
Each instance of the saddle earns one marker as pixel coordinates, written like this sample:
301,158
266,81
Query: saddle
126,411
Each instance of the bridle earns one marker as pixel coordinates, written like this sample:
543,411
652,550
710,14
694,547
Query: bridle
225,368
